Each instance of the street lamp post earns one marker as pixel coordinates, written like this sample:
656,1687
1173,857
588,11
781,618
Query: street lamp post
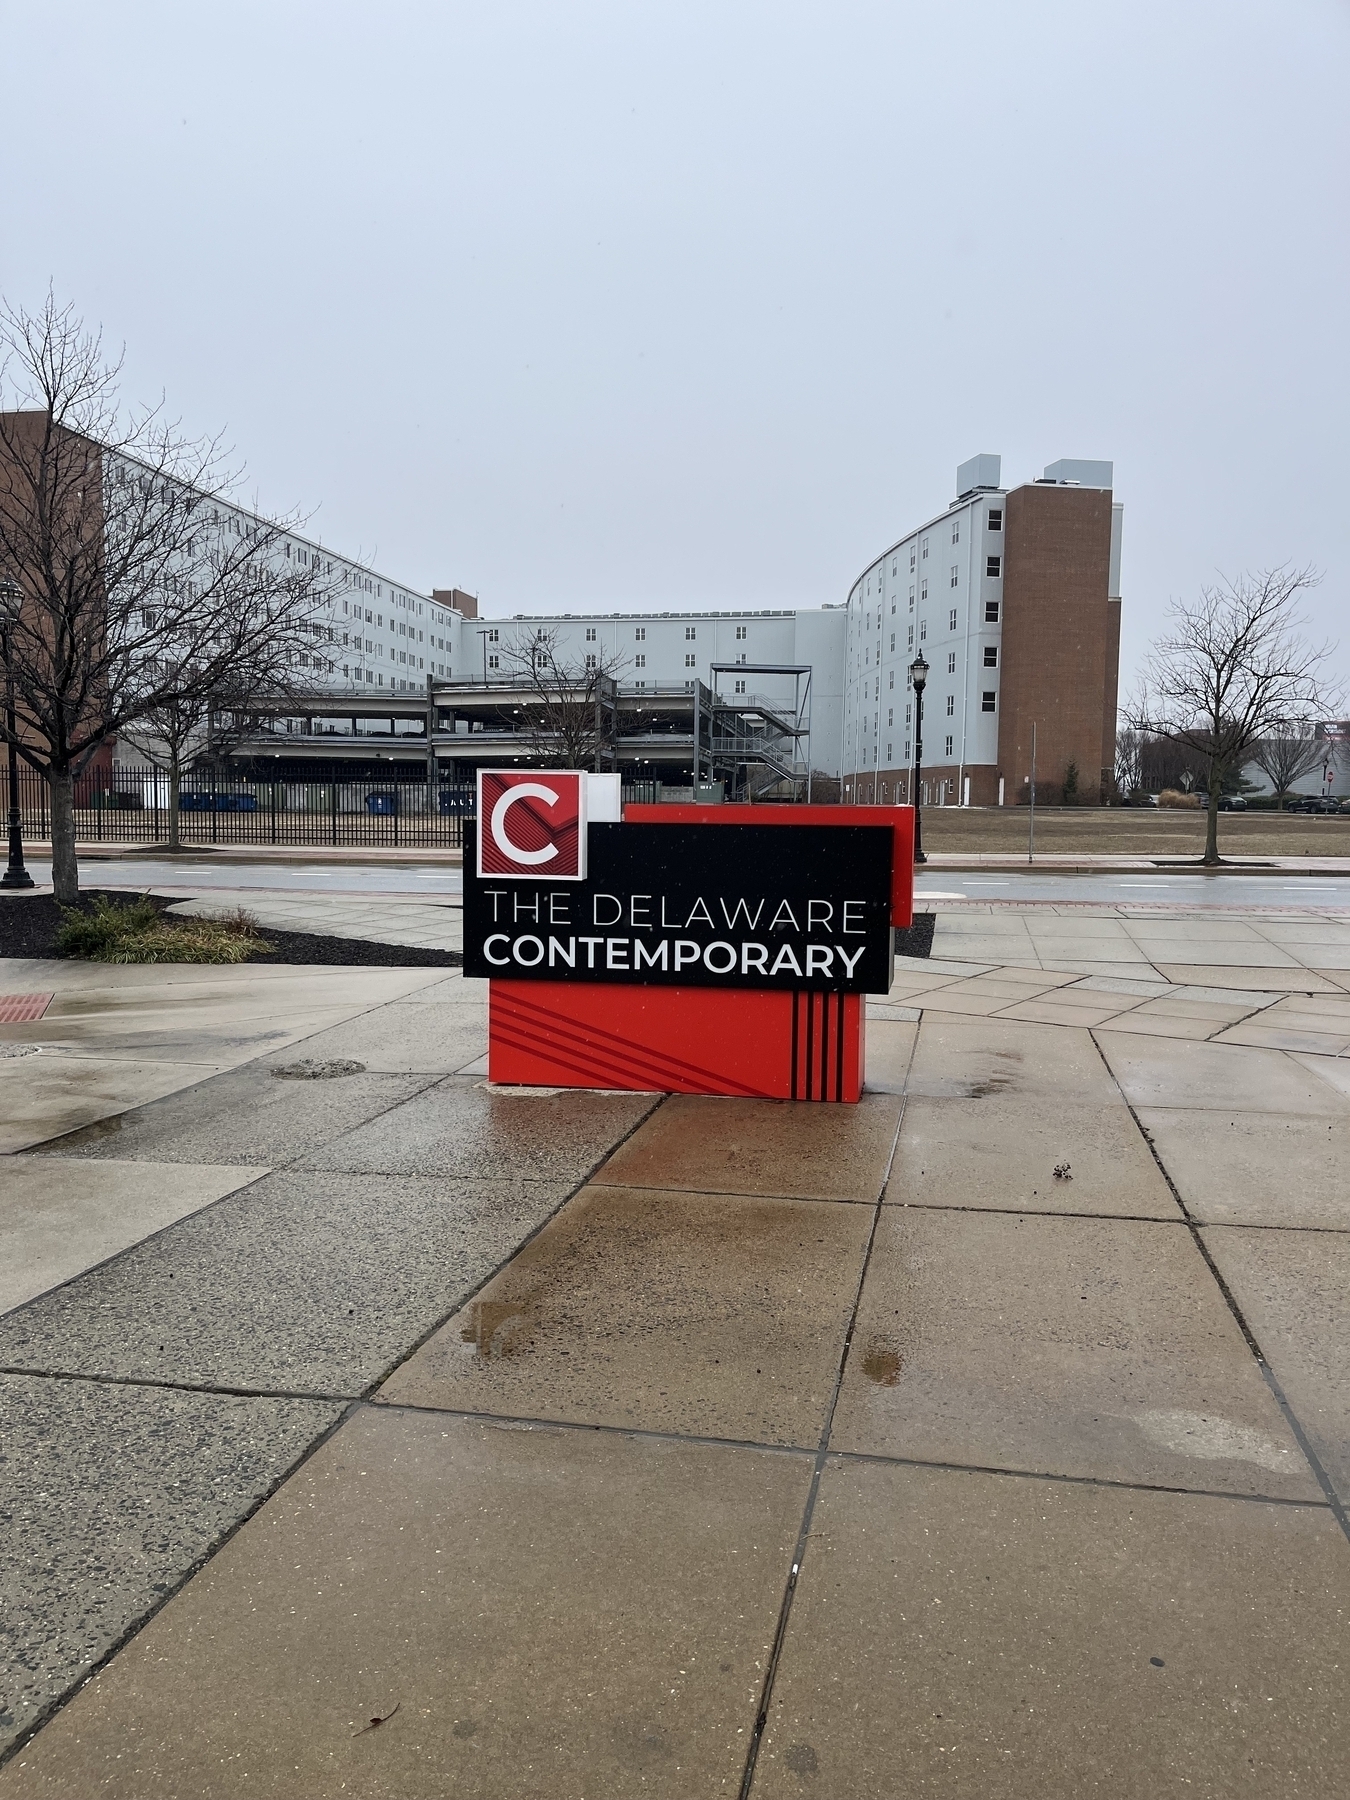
918,674
15,875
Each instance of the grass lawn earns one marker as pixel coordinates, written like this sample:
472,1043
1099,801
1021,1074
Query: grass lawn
1130,831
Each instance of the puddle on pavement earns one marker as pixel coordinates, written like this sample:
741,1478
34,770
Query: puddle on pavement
486,1329
882,1364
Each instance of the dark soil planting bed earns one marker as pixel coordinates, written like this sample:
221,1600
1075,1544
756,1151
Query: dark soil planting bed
29,924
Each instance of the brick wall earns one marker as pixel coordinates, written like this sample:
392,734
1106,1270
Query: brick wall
1061,638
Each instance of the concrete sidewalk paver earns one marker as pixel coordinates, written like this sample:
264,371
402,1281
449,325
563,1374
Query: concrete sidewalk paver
300,1283
804,1152
957,1634
552,1612
1256,1168
1292,1287
247,1115
1079,1347
46,1094
59,1218
711,1315
457,1127
1001,1153
407,1037
1229,1078
111,1495
1085,1347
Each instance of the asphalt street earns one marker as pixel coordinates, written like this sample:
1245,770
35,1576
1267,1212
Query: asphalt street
1319,892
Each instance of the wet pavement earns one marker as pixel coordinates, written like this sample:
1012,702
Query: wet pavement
388,1435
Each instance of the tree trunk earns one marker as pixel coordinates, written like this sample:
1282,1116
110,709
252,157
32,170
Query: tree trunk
1212,823
65,868
175,784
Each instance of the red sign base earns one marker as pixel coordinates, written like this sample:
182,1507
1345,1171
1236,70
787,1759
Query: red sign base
762,1043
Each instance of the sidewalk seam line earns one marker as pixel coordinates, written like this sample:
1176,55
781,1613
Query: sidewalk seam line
1268,1374
822,1456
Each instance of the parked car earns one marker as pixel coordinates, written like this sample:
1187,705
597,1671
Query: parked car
1140,798
1227,802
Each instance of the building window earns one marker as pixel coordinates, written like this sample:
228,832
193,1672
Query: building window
740,687
906,749
991,612
949,746
991,656
993,565
956,575
890,717
890,681
691,662
911,559
590,662
640,662
491,636
641,634
923,588
996,520
493,662
590,634
892,643
951,620
951,705
690,632
986,701
956,530
740,633
951,662
925,549
923,631
908,711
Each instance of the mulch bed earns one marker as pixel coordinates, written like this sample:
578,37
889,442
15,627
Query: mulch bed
29,924
917,939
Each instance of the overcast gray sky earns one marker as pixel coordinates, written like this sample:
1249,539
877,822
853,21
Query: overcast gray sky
587,306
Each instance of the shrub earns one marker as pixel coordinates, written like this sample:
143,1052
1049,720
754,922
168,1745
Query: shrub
136,931
1173,797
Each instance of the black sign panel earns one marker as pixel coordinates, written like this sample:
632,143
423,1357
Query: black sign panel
747,906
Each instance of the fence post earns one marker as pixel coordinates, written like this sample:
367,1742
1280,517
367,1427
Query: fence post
396,809
332,808
273,791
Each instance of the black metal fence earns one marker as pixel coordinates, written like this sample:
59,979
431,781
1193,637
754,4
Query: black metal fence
128,804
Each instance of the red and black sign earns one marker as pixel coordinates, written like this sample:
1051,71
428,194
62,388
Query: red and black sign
741,906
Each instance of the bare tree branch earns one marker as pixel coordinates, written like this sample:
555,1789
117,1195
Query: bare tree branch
567,709
144,587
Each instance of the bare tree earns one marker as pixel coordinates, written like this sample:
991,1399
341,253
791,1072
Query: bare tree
142,584
1233,665
1129,762
192,723
568,711
1289,750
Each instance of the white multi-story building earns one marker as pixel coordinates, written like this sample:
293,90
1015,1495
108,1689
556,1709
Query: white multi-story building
1011,596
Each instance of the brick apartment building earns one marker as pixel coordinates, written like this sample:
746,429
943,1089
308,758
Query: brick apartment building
1013,595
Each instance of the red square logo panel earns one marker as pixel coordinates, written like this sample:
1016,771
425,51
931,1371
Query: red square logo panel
532,824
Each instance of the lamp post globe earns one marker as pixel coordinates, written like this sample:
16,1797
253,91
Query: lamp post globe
918,675
15,875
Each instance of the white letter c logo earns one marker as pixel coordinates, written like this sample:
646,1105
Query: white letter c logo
523,790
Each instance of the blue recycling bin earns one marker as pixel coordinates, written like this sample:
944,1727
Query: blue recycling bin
382,804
